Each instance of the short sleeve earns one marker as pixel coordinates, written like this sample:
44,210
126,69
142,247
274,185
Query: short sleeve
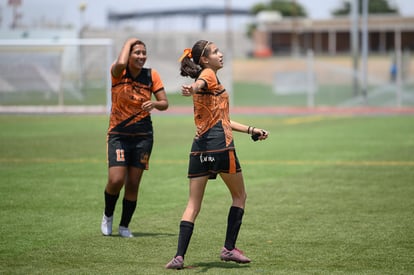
209,77
156,81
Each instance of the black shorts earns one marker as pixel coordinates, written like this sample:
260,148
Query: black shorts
211,164
126,150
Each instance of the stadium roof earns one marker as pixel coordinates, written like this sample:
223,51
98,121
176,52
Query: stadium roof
202,12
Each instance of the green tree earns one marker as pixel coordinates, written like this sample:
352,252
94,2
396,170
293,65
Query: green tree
374,7
287,8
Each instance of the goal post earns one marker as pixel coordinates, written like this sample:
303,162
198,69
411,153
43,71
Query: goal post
55,74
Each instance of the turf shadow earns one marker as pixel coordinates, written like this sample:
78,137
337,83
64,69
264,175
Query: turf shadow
148,234
206,266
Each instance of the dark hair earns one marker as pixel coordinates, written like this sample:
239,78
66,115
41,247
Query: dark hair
138,42
191,67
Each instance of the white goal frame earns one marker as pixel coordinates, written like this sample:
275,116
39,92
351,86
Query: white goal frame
60,107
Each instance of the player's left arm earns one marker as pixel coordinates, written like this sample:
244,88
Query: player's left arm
161,102
261,134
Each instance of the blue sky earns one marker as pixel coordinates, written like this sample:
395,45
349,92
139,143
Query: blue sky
66,12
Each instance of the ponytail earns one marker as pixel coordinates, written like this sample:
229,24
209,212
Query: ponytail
190,59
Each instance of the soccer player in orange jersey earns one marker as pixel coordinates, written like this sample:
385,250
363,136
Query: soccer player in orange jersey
136,91
213,150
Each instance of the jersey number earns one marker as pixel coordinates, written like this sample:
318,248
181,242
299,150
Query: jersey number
120,155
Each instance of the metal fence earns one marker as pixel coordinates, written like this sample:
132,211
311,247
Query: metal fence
75,74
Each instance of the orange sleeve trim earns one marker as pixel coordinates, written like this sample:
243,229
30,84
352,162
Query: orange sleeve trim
156,80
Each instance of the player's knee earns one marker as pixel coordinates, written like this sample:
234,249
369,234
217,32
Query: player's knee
115,183
240,199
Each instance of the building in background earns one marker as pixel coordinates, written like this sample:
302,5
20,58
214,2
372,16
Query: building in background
332,36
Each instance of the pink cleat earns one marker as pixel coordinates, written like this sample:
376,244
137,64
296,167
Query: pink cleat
175,263
234,255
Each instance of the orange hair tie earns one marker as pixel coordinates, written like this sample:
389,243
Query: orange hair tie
187,52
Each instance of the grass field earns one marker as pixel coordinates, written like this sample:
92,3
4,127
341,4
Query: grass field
326,195
245,94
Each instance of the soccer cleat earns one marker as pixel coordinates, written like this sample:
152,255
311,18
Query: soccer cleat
124,232
176,263
106,225
234,255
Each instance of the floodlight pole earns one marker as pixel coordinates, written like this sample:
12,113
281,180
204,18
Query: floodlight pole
229,53
82,8
295,37
109,60
398,60
364,51
354,45
310,78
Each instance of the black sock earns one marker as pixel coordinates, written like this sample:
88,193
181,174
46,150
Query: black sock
234,222
110,202
186,230
128,209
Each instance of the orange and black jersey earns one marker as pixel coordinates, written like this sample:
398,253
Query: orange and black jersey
211,116
128,94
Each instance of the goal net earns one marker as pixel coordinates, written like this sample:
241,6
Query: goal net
38,75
